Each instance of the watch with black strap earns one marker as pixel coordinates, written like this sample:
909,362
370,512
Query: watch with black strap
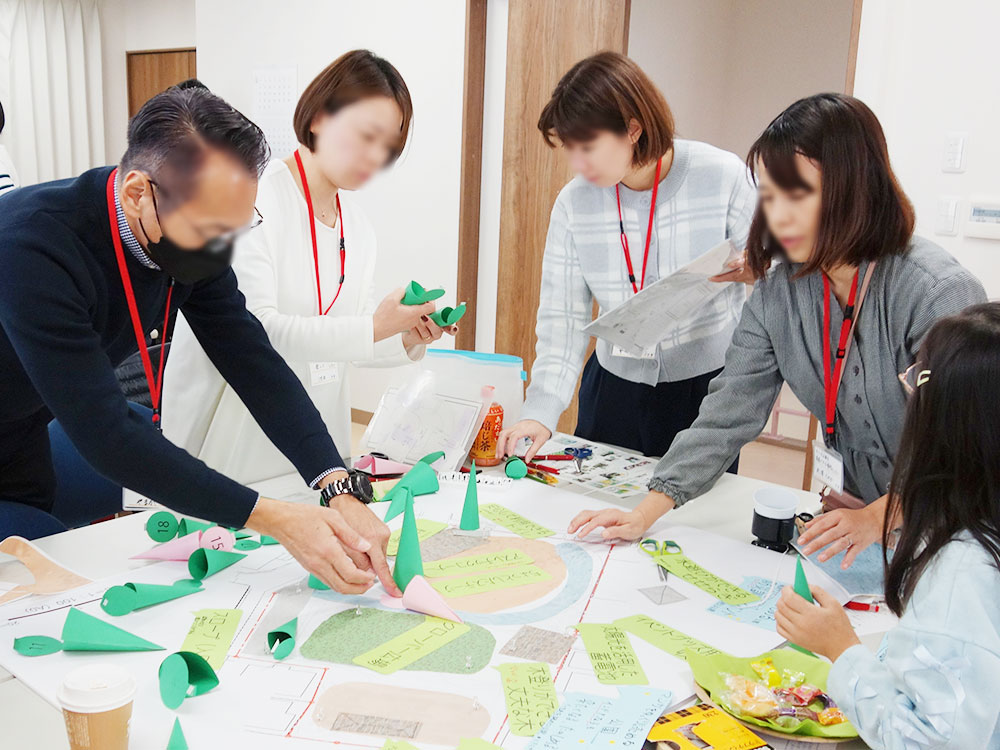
356,483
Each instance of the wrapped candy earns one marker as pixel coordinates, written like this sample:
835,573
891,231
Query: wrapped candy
766,670
802,695
790,678
830,715
786,706
749,698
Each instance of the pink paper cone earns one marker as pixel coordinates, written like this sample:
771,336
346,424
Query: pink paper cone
421,597
179,549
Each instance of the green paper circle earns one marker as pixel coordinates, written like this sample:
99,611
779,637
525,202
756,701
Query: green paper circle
37,645
247,544
119,600
174,684
162,526
516,468
283,649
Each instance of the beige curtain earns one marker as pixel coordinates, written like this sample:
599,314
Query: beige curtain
51,87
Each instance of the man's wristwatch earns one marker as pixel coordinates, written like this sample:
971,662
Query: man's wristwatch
356,483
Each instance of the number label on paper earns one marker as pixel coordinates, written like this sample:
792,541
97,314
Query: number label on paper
828,467
323,373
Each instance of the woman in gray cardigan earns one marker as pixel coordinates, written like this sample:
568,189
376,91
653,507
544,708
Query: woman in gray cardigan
830,209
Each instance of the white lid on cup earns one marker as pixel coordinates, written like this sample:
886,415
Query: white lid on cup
96,688
775,502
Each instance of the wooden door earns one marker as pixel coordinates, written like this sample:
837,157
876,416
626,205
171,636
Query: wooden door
150,72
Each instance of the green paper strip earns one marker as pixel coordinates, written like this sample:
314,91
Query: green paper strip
206,562
519,575
425,530
315,583
37,645
281,640
408,561
529,694
406,648
801,588
458,565
688,570
83,632
514,522
177,741
211,634
664,637
417,295
432,457
184,675
470,508
611,655
120,600
448,316
162,526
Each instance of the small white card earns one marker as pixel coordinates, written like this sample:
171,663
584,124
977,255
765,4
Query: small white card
132,500
323,373
650,352
828,466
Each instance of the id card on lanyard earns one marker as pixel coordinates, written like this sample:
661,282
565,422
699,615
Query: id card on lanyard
828,464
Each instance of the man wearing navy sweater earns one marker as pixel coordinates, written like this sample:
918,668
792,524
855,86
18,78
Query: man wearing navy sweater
89,266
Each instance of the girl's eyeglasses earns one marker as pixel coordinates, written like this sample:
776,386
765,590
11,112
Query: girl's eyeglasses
914,377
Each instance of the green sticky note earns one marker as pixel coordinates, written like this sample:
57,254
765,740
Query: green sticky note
315,583
177,741
162,526
448,316
516,468
801,587
83,632
211,634
514,522
664,637
281,640
519,575
184,675
37,645
417,295
474,563
408,561
189,526
687,569
432,457
425,529
470,510
416,643
205,562
120,600
420,480
246,545
611,655
529,694
267,540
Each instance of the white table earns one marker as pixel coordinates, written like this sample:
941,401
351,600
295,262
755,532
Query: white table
99,551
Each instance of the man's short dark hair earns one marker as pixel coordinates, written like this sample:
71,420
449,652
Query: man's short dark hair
169,137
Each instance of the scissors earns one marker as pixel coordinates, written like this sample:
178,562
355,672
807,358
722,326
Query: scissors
579,454
656,549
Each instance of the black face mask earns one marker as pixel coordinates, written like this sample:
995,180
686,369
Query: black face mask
188,266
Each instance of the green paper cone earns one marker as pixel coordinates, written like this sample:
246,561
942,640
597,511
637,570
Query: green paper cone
246,544
801,588
37,645
83,632
281,640
177,741
470,511
408,562
242,534
420,480
515,468
417,295
120,600
205,562
162,526
189,526
432,457
184,674
315,583
448,316
267,540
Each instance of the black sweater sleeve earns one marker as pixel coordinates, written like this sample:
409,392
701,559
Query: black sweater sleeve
239,348
46,314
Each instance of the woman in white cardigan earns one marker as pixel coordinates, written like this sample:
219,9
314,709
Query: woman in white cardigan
308,275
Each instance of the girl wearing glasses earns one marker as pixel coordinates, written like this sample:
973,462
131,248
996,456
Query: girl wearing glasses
841,314
308,273
933,683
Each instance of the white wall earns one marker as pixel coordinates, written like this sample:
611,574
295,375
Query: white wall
414,206
926,69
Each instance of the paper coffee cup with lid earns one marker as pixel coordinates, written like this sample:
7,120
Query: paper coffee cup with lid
96,702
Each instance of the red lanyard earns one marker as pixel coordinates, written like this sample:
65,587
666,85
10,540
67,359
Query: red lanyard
312,229
155,384
831,379
649,232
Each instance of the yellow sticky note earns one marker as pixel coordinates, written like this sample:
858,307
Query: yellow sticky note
211,634
687,569
458,565
416,643
491,580
530,696
425,530
514,522
612,656
664,637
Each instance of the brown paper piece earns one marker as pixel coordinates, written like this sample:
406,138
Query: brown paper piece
50,577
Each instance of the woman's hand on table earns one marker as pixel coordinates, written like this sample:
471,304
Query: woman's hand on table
622,524
844,529
822,628
535,431
392,316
